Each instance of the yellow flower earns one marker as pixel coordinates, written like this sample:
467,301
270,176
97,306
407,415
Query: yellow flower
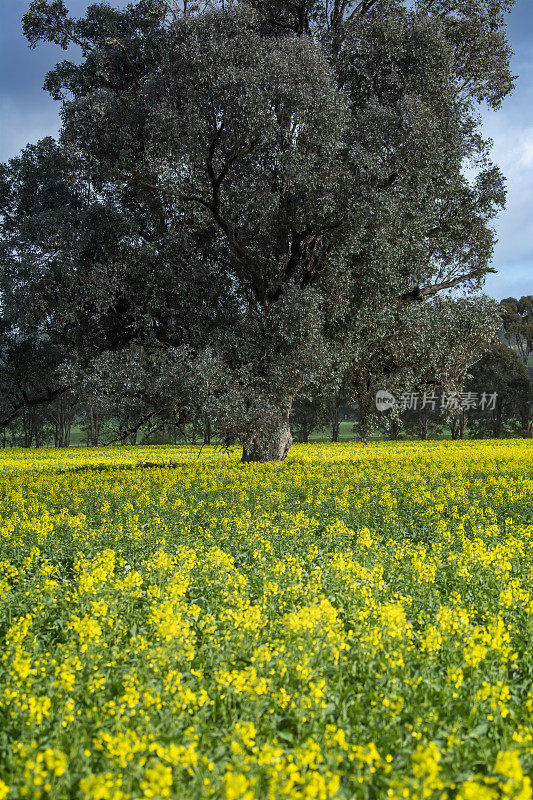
237,787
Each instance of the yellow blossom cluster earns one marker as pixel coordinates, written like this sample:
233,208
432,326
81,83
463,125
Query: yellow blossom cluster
354,624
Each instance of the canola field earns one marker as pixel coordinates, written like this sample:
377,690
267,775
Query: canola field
354,623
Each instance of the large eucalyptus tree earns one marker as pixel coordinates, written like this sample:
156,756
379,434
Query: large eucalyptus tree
249,187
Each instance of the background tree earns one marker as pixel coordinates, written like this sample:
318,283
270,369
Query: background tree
29,361
501,370
309,413
420,349
517,318
253,186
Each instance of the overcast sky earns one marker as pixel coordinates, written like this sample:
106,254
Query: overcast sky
27,114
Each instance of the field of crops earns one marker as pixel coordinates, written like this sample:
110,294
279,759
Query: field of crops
355,623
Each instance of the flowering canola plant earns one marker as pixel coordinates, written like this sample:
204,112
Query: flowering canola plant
354,623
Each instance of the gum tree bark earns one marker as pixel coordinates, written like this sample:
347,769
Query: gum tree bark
269,444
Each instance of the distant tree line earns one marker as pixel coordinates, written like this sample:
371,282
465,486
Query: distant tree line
103,411
495,399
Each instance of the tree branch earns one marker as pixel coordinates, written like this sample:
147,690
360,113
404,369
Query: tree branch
428,291
362,8
30,402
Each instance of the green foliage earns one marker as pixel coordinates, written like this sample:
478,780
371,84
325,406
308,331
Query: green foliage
257,186
501,370
517,318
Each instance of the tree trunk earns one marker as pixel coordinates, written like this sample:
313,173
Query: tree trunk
525,420
27,429
424,428
462,424
302,434
94,427
394,430
194,431
335,419
64,419
454,427
268,445
497,418
364,412
207,430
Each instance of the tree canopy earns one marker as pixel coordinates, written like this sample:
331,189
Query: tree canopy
249,191
517,318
